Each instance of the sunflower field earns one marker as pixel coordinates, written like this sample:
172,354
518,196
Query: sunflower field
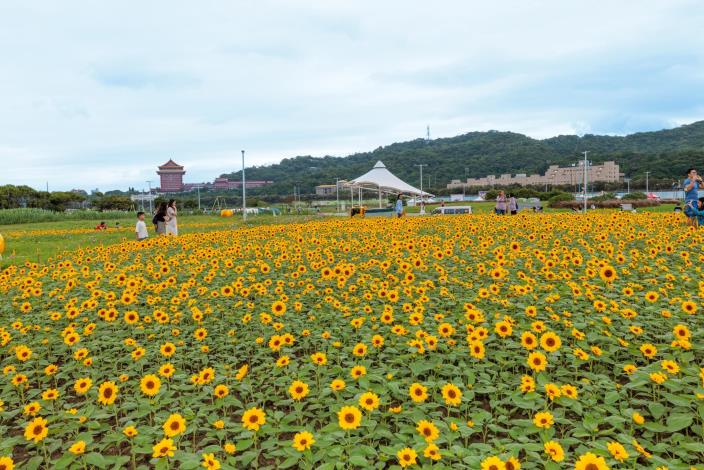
478,342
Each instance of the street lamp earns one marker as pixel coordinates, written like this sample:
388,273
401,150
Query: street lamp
422,208
464,184
647,173
151,210
244,198
337,195
585,180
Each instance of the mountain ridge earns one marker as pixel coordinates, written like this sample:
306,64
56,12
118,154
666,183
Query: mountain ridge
665,154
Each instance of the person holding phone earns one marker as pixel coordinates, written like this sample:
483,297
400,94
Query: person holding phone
691,195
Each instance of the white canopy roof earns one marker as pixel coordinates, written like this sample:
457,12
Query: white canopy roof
379,178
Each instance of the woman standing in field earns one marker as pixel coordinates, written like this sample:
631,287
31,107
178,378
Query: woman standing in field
500,207
171,223
399,206
159,219
512,205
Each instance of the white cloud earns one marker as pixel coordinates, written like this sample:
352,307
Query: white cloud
97,93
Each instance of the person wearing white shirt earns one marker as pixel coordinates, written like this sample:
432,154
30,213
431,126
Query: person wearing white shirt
171,224
141,228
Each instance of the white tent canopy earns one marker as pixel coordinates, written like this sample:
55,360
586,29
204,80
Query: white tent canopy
381,180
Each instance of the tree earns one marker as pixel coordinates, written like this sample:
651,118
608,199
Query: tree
120,203
60,201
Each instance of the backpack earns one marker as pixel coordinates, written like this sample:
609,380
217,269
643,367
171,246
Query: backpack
154,221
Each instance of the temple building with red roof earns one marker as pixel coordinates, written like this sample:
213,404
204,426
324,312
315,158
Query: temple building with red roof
171,174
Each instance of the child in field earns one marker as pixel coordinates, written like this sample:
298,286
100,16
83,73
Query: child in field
141,228
695,211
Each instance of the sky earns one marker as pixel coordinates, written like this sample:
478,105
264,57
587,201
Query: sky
98,94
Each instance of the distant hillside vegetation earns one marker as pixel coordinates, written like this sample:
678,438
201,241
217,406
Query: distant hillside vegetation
665,154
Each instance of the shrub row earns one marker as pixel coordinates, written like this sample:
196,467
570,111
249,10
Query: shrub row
608,204
31,215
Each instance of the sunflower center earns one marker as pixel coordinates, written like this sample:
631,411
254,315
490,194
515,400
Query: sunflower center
37,429
349,418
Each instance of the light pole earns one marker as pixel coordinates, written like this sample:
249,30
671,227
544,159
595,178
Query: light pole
422,208
647,173
244,187
628,185
464,185
151,209
585,180
337,195
198,190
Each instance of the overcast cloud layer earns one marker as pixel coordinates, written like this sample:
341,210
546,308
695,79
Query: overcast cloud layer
97,94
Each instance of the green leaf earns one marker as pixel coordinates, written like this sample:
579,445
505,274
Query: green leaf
677,422
693,446
611,398
678,400
656,409
64,461
96,459
289,462
358,460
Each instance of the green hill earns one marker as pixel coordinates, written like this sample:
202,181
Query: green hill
666,154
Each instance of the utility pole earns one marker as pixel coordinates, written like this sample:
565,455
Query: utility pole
586,163
337,195
464,185
422,207
198,189
151,209
647,173
628,185
244,197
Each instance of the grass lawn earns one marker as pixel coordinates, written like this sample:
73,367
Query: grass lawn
38,242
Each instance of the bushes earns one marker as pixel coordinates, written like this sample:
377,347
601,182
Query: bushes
26,216
634,196
607,204
604,197
559,198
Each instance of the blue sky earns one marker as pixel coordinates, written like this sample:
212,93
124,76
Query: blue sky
97,94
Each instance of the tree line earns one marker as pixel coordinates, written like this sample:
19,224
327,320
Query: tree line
664,154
